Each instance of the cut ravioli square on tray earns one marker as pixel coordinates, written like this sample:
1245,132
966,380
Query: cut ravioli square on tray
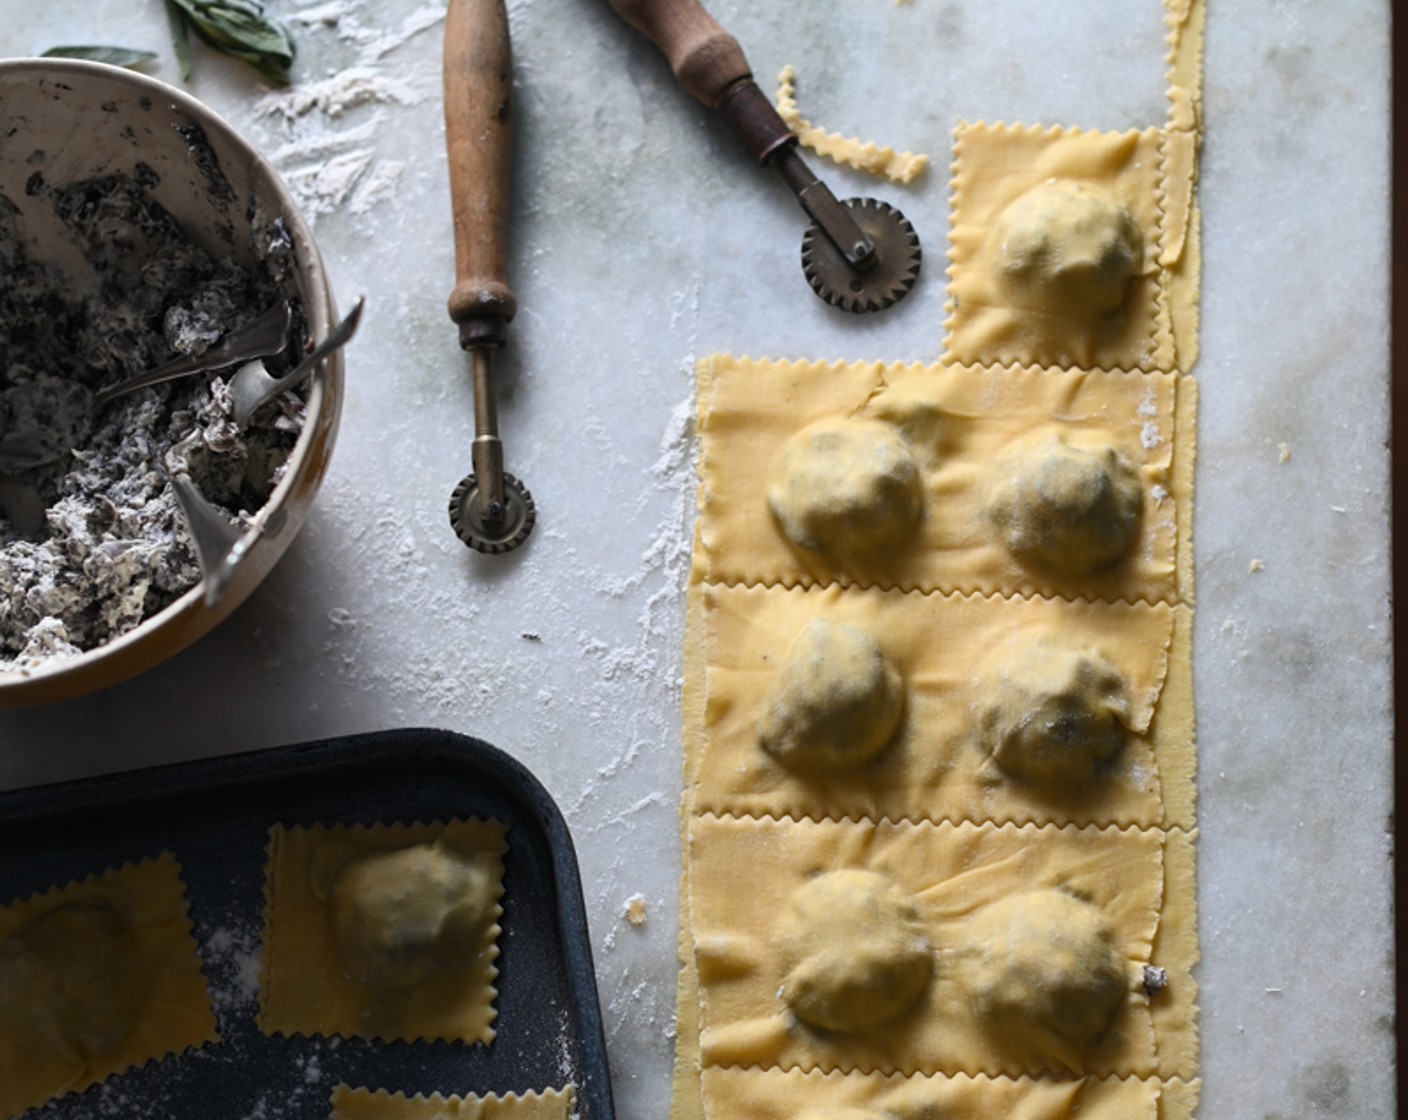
919,948
1020,481
383,932
1055,249
97,978
868,704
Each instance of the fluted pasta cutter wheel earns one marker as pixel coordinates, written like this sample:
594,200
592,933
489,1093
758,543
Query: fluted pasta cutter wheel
860,255
489,524
890,276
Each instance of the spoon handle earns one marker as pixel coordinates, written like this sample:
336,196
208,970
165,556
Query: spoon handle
256,339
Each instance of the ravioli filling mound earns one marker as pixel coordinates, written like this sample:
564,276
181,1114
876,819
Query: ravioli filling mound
835,703
71,980
1043,965
400,916
1054,715
858,955
1063,507
1068,248
848,486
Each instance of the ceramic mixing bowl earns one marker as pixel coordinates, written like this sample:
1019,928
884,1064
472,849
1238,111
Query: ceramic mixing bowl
71,121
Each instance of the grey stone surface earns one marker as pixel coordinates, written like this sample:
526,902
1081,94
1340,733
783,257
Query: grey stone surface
642,239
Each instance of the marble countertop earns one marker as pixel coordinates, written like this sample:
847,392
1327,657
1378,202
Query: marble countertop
642,240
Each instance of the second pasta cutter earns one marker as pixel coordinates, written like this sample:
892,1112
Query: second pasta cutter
859,255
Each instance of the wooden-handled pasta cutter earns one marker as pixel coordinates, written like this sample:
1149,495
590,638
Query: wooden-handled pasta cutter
859,255
490,510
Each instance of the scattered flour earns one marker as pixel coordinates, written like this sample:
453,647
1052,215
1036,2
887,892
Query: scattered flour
231,958
379,185
324,187
328,129
351,88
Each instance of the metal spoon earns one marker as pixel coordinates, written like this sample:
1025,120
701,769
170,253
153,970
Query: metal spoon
27,443
220,543
253,385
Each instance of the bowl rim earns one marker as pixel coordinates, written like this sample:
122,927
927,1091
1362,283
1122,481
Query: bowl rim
68,676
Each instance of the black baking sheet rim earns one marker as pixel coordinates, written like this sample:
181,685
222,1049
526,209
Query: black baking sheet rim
52,834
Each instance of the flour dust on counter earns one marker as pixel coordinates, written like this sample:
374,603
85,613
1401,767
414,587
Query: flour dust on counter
326,128
93,543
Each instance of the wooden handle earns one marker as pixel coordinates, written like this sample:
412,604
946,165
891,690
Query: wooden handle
705,58
478,98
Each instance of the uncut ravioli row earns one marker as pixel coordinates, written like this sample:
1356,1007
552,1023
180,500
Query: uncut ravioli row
943,593
915,948
1016,481
935,817
387,932
939,833
874,704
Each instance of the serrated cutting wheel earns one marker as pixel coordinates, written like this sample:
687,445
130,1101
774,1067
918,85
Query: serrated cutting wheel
891,272
504,526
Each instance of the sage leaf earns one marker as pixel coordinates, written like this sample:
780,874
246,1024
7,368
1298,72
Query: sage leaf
241,29
180,38
113,56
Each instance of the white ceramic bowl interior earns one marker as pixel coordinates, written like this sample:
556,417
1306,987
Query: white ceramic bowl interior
72,121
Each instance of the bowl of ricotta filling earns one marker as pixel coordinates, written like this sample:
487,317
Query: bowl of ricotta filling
138,228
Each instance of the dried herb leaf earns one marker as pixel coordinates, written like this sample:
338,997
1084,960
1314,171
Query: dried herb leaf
180,38
113,56
241,29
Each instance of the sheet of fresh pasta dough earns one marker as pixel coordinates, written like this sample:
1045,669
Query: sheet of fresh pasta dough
939,811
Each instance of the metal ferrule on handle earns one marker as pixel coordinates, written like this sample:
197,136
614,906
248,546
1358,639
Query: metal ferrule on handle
488,449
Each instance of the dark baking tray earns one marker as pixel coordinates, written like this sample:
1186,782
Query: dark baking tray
215,815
